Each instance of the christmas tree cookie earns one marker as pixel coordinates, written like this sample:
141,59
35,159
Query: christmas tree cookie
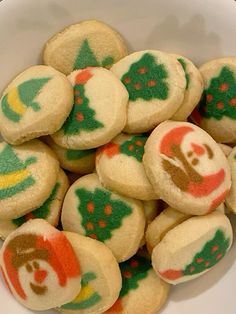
101,279
99,110
156,85
49,210
40,266
119,167
76,161
28,173
91,210
89,43
193,91
142,290
37,102
186,167
216,112
192,248
231,197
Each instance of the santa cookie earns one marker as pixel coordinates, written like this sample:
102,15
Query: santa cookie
76,161
193,91
187,168
88,43
37,102
142,290
91,210
119,167
231,197
101,279
217,111
99,110
28,173
178,258
156,84
40,266
49,210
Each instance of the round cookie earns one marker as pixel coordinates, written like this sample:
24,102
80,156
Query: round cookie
231,197
119,167
37,102
28,173
216,112
40,266
192,248
142,290
156,84
49,210
76,161
99,110
91,210
186,167
193,91
101,278
226,149
88,43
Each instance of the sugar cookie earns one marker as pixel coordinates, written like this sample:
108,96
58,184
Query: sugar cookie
193,91
99,110
119,167
40,266
142,290
49,210
151,210
37,102
91,210
216,112
156,84
28,173
231,197
187,168
192,248
101,278
226,149
88,43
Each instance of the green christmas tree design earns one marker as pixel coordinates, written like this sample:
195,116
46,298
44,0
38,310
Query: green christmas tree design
42,212
78,154
184,66
134,147
219,99
146,79
101,214
86,58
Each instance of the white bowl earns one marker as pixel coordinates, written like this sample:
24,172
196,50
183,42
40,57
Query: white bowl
201,30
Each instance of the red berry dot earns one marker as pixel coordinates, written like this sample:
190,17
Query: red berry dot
131,147
93,236
219,255
79,100
233,101
89,226
192,268
108,210
142,70
102,224
137,86
127,274
220,105
90,207
139,143
127,80
224,87
209,97
215,248
79,116
134,263
151,83
200,260
207,264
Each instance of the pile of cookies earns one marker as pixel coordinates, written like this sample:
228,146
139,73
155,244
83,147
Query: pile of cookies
146,143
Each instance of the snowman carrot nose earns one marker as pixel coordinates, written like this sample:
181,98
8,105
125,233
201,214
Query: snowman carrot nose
40,275
198,150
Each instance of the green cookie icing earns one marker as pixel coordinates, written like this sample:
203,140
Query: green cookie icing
134,147
101,214
78,154
42,212
146,79
184,66
219,99
15,102
87,58
14,175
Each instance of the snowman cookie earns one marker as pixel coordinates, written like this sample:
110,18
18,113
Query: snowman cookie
49,210
231,197
76,161
91,210
216,112
40,266
226,149
89,43
99,110
178,258
37,102
156,84
193,91
28,173
142,290
187,168
101,278
119,167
